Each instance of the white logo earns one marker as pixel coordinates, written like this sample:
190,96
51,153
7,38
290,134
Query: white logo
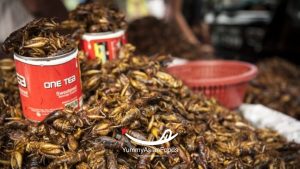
21,80
166,137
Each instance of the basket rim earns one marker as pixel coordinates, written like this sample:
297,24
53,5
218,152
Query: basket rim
224,81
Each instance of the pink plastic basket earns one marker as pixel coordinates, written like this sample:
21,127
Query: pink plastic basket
224,80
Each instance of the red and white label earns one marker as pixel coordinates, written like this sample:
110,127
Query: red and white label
48,85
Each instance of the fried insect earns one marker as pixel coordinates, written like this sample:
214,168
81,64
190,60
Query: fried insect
68,158
109,142
144,160
111,160
72,143
47,149
102,128
16,160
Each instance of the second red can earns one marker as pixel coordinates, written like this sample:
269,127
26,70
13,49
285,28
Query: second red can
48,84
105,45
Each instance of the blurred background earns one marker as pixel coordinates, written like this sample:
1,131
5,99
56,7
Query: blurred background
194,29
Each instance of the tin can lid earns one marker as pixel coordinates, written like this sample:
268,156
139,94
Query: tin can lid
102,35
47,61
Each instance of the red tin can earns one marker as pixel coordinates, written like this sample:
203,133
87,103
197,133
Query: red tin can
48,84
105,46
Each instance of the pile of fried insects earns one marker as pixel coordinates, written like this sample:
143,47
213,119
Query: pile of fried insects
94,18
135,94
39,38
276,86
151,36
